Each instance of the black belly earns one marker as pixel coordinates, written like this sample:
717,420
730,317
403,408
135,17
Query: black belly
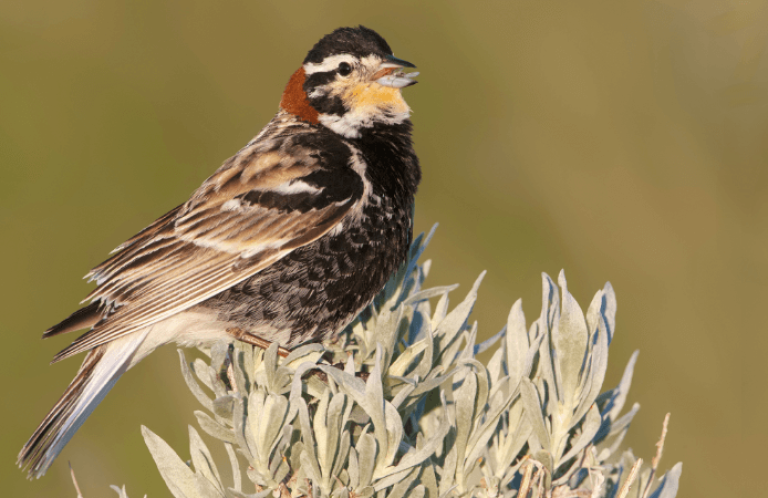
316,290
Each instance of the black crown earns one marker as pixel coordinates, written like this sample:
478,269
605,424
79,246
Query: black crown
360,41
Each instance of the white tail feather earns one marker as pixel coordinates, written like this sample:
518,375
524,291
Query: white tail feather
114,362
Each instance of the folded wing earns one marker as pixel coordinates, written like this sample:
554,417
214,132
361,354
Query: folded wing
253,211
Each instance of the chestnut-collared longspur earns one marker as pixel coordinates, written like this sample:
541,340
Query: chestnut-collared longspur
287,242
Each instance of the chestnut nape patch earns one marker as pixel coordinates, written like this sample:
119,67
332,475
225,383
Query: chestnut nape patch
295,99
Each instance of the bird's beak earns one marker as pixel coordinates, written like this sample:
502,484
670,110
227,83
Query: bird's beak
390,74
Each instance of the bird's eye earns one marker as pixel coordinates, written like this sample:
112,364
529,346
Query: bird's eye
344,69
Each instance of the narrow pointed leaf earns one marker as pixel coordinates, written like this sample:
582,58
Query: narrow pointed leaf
532,407
178,477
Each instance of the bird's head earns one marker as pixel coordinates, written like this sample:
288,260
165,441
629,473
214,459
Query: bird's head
350,80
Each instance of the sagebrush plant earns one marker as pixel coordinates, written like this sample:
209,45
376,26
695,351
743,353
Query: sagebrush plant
399,406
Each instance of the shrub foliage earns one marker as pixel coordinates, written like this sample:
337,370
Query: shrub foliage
400,406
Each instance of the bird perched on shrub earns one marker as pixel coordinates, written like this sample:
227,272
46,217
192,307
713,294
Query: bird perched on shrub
286,242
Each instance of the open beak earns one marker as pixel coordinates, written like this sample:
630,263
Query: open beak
390,73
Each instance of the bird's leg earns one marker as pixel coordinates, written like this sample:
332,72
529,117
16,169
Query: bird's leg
253,340
247,338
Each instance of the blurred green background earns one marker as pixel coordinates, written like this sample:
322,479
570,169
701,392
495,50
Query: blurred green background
622,141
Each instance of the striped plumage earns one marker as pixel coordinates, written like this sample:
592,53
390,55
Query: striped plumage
286,242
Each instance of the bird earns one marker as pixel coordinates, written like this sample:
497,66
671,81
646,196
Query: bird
287,242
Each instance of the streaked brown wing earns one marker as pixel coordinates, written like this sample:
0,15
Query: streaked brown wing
243,219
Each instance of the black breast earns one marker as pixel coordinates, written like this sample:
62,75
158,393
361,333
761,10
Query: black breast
316,290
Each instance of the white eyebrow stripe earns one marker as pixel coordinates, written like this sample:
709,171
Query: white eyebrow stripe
329,63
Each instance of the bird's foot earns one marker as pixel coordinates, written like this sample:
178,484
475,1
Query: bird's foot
253,340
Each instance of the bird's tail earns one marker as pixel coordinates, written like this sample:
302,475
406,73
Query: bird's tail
99,372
